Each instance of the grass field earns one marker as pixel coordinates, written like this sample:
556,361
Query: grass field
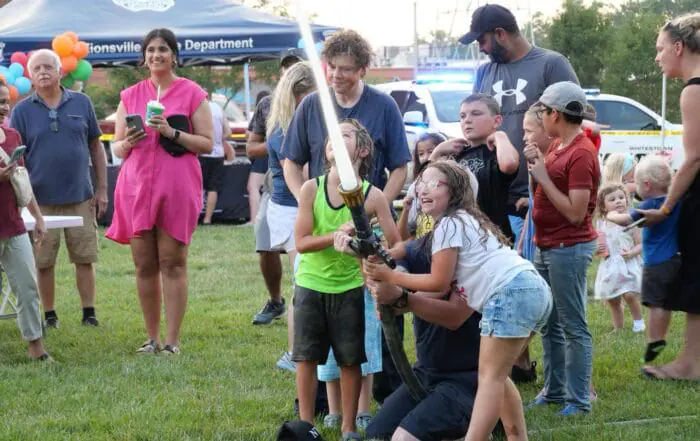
225,386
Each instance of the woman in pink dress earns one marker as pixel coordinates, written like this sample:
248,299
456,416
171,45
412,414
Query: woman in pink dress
158,196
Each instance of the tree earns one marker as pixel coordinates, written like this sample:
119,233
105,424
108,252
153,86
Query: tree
582,33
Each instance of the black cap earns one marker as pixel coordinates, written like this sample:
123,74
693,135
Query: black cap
298,431
291,56
486,19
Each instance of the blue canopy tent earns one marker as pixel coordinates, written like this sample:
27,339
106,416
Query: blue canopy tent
208,31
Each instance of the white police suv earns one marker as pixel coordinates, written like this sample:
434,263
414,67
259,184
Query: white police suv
634,128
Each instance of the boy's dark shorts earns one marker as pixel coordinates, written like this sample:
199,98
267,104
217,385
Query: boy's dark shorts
322,321
660,282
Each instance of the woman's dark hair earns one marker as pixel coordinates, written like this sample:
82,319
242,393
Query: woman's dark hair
461,197
436,138
168,36
262,94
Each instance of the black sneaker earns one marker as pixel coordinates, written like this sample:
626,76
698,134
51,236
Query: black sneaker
271,311
520,375
91,321
51,322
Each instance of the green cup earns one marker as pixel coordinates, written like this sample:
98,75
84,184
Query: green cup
153,108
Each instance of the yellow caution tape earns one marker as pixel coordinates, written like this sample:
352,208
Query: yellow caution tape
640,132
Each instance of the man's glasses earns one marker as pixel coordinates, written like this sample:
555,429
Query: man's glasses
540,113
53,116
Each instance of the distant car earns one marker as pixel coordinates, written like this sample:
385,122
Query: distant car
634,128
429,103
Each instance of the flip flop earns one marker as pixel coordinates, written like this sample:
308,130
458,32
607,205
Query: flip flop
658,373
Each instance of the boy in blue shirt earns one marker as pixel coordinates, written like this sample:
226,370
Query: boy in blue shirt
662,261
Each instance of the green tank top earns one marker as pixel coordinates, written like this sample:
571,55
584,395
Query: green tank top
327,270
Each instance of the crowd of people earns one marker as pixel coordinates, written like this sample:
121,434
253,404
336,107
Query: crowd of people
493,244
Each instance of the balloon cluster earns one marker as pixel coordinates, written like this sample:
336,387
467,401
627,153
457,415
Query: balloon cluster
16,76
72,52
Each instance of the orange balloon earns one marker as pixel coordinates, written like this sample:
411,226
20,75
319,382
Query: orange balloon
14,93
3,79
69,63
62,45
72,35
80,50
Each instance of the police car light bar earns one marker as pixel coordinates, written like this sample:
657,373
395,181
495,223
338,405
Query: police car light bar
591,91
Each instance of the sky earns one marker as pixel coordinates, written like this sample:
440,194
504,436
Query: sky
390,22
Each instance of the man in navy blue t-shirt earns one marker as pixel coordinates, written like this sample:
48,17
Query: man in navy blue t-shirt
348,56
447,347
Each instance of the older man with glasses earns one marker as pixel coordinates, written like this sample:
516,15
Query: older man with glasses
60,130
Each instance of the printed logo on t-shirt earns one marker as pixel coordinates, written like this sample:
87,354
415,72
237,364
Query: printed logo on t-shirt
473,164
517,92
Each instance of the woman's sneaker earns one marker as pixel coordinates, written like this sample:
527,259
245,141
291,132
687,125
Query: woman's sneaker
363,420
332,421
286,363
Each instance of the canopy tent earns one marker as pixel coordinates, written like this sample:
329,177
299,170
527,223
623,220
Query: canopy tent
208,31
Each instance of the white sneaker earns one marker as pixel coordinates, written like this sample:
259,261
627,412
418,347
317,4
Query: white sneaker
638,326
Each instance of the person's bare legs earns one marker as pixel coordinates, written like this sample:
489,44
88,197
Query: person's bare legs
85,281
402,435
36,348
687,365
306,389
144,251
271,269
350,385
524,361
290,306
493,397
172,259
255,182
335,405
632,300
212,197
365,401
617,313
46,278
659,322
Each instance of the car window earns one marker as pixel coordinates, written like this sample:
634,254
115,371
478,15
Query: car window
623,116
414,104
231,110
447,103
401,97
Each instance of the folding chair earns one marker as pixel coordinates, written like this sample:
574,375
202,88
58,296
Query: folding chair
8,307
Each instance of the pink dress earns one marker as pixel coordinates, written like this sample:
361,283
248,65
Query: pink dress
155,189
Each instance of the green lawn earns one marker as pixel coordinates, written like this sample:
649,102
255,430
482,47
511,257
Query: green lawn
225,385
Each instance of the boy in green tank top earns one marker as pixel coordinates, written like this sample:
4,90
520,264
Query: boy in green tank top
328,297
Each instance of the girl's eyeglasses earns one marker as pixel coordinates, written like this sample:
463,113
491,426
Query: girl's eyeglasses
430,185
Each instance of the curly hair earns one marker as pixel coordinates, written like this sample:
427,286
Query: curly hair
462,197
685,29
363,140
604,192
348,42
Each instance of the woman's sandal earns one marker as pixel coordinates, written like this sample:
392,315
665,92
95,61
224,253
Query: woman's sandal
150,347
171,350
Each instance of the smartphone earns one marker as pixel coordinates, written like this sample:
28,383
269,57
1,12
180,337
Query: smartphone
17,154
638,223
135,122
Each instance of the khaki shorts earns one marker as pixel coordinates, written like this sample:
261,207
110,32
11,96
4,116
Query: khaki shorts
80,241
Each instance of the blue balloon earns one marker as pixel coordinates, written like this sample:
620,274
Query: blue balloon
16,69
3,70
9,77
23,85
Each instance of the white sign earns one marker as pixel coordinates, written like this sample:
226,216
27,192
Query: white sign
145,5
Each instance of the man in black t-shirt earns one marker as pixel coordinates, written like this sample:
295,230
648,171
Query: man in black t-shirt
486,152
447,345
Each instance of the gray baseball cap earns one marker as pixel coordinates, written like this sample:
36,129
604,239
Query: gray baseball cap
565,97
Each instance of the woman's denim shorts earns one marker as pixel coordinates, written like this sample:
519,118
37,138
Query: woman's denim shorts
518,308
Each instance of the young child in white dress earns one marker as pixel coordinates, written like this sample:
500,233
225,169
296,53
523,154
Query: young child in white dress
619,275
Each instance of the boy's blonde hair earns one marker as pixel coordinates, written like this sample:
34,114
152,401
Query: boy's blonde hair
656,170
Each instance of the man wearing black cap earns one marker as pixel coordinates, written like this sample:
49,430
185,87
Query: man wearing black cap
516,77
270,263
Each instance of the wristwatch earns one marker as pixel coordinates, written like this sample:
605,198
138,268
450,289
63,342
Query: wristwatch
176,134
402,301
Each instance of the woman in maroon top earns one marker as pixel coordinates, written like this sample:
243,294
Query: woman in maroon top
16,254
566,186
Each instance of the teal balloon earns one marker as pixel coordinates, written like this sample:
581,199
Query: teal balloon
23,85
16,69
67,81
3,70
9,77
83,71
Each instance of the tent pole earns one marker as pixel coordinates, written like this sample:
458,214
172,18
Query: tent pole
663,112
246,82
